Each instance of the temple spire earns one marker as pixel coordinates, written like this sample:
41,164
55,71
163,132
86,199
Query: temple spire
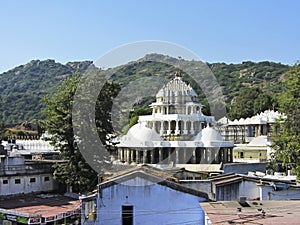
178,74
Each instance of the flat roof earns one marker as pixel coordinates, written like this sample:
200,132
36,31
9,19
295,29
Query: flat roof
257,212
43,206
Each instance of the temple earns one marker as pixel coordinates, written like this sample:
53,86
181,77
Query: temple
176,132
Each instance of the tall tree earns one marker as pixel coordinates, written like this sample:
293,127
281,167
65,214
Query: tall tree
249,102
79,170
75,172
286,142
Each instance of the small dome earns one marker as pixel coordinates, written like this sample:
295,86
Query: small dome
259,141
210,134
139,136
142,133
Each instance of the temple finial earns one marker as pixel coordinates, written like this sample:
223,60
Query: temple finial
177,73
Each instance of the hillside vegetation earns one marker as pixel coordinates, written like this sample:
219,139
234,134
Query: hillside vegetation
23,87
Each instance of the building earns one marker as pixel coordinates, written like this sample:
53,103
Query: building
144,192
251,136
27,190
176,132
257,150
19,175
251,212
143,195
47,209
31,149
255,186
243,131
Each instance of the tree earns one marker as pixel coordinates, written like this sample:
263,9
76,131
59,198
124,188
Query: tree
2,130
75,173
78,172
249,102
286,142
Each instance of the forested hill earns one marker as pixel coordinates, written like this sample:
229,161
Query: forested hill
23,87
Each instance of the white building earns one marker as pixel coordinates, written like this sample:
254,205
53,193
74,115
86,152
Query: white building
177,131
18,176
243,130
143,195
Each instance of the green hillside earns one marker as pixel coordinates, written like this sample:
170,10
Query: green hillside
23,87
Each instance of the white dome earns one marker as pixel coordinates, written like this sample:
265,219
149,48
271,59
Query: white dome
210,137
142,133
210,134
259,141
139,136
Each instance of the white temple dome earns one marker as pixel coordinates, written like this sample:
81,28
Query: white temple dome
210,134
142,133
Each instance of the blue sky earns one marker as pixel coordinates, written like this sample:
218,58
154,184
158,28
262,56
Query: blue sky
217,31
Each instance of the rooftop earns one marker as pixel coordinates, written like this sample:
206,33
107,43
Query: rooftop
268,116
40,206
253,212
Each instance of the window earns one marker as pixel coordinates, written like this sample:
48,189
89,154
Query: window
32,180
17,181
46,179
241,154
127,215
5,181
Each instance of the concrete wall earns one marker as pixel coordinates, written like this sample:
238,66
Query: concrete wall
153,204
249,189
199,185
243,168
28,184
250,154
268,193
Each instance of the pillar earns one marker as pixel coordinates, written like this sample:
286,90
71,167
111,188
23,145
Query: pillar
184,159
169,127
119,153
160,155
122,154
205,155
169,155
145,156
184,127
132,156
217,158
161,128
192,128
127,155
152,125
177,131
177,155
194,157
